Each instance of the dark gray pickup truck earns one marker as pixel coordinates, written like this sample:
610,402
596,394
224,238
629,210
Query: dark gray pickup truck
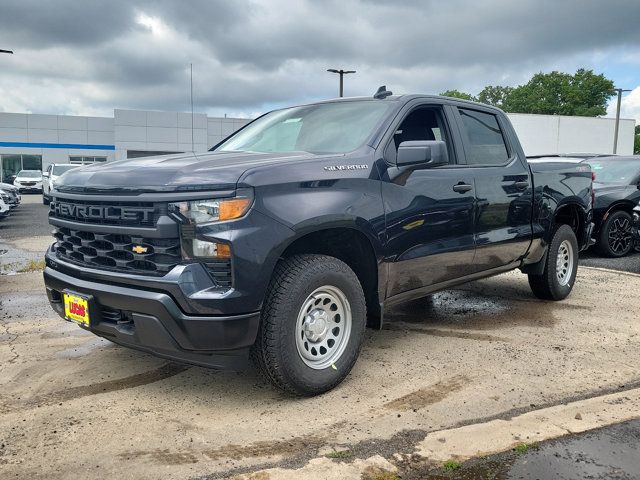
285,240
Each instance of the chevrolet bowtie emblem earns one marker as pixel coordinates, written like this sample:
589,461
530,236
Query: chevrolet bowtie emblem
140,249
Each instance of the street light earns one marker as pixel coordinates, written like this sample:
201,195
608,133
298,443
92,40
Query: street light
342,73
6,51
615,133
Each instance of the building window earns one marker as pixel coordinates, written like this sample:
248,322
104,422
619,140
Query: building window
83,160
11,164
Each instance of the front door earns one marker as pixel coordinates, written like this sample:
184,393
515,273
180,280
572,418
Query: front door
429,211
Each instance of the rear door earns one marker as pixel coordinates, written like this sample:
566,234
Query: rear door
428,211
503,188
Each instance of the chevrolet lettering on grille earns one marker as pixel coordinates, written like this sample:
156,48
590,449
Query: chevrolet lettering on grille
101,212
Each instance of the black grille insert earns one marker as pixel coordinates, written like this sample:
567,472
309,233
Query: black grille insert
143,214
123,253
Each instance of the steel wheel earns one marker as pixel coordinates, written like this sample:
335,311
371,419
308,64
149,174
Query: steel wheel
564,262
323,327
619,235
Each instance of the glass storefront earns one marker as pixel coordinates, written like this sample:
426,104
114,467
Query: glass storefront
11,164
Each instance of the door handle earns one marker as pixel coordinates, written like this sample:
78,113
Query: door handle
462,187
521,185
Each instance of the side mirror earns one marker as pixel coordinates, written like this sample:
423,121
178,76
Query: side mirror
426,153
45,174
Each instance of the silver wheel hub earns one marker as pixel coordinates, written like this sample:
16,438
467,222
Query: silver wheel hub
323,327
564,262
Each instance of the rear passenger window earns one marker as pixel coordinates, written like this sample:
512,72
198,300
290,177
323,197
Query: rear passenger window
486,141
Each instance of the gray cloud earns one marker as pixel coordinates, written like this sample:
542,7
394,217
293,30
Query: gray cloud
89,57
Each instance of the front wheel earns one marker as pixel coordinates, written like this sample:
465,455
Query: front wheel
559,275
312,325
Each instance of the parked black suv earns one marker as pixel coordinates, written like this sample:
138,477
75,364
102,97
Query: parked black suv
287,237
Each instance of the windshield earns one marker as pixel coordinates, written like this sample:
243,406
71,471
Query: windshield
339,127
60,169
30,174
619,171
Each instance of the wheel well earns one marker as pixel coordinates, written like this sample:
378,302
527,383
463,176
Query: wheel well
350,246
573,216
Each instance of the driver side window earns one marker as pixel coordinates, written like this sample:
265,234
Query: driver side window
421,124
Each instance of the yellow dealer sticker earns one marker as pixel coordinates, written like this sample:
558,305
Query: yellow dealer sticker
76,308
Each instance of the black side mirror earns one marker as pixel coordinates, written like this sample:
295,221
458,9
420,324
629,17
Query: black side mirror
425,153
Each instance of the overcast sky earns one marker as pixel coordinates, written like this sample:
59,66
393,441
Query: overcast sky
89,57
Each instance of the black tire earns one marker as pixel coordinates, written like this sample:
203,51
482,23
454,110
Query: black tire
275,352
615,238
45,199
548,285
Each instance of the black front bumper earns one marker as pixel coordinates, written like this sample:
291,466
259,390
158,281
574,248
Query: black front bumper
151,320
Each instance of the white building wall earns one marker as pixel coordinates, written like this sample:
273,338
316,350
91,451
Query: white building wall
548,134
34,130
158,131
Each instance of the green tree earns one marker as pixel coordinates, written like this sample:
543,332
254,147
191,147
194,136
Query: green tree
557,93
495,95
458,94
636,141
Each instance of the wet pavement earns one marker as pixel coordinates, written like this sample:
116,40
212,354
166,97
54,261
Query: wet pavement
609,453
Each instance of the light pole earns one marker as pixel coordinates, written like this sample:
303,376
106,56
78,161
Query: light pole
615,132
342,73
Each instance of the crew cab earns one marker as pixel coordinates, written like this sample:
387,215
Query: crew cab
292,235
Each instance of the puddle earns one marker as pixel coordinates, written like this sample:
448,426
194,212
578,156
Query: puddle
479,307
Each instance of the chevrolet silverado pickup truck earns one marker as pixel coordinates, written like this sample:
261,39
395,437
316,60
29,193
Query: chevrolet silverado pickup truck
290,237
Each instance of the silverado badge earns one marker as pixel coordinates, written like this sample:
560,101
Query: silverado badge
140,249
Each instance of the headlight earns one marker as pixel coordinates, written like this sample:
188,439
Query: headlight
202,212
207,211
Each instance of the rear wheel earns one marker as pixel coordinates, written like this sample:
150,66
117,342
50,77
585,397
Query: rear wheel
558,277
615,239
312,325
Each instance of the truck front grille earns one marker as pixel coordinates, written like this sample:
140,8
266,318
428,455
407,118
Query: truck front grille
140,214
118,252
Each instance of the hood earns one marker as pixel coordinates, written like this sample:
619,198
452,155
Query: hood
8,186
171,173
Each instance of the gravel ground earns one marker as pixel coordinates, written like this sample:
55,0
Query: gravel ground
76,406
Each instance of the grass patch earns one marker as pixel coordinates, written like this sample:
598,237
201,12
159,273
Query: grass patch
32,266
522,448
339,454
451,465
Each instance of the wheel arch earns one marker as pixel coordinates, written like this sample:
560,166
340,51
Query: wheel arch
351,242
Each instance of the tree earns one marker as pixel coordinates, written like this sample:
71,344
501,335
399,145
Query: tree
557,93
495,95
636,141
458,94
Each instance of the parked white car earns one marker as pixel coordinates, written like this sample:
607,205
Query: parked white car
4,207
14,194
29,181
50,175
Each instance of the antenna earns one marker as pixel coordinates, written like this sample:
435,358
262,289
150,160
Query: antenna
192,116
382,93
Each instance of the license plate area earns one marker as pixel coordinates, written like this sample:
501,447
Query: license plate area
76,308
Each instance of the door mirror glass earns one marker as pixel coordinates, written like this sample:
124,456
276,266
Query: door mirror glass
425,153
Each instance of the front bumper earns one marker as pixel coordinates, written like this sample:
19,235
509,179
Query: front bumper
151,320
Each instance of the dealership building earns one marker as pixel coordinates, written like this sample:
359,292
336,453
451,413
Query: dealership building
33,141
